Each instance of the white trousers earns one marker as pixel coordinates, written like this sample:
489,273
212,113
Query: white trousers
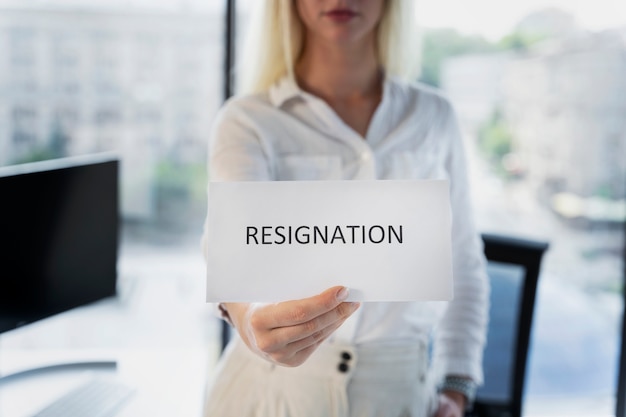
336,381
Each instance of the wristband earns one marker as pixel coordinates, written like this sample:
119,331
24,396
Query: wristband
464,386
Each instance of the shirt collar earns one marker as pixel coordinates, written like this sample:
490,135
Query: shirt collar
286,88
283,90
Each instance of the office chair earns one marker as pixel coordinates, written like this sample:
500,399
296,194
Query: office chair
620,403
513,269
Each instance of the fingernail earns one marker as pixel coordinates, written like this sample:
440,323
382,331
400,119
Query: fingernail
342,294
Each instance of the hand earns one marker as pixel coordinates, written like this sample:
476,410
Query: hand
288,333
451,404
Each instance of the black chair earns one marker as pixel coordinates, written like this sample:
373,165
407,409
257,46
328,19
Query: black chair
620,403
513,269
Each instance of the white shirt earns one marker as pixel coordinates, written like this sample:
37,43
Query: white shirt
289,134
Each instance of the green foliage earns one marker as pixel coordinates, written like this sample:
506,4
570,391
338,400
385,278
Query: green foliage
603,191
180,194
58,140
37,154
56,147
495,140
520,41
174,179
440,44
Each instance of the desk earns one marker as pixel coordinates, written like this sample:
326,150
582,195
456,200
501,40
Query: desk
159,330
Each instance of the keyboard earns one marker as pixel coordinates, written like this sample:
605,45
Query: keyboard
98,397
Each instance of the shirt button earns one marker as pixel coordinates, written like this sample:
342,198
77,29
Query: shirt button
346,356
343,367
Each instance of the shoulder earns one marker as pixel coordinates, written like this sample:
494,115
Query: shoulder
238,118
417,95
420,106
263,103
243,107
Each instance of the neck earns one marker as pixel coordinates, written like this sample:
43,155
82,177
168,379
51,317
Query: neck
339,72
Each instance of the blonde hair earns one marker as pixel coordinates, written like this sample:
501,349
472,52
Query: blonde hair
275,38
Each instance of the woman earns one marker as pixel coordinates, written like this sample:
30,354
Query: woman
327,98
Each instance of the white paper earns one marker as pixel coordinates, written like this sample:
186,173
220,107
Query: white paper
395,245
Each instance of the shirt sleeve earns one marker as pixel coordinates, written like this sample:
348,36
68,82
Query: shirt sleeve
235,153
461,334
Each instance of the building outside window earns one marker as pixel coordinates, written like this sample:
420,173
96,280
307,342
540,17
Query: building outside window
542,107
145,79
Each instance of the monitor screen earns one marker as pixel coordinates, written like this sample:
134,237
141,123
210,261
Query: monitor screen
59,222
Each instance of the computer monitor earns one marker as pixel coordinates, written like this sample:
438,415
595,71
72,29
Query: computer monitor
59,228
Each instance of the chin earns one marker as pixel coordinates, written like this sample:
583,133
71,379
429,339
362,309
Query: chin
345,36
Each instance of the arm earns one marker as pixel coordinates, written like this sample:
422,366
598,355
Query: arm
461,334
284,333
288,333
451,404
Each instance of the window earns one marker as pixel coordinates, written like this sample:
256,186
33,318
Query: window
142,80
22,41
540,107
107,116
66,50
